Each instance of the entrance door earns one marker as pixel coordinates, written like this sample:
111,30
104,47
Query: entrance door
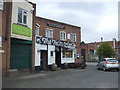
58,56
91,55
43,59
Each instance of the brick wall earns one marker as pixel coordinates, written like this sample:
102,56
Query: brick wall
56,31
93,46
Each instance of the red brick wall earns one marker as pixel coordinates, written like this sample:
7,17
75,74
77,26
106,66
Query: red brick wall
93,46
6,31
56,31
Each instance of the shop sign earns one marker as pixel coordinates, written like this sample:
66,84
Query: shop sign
51,24
47,41
21,30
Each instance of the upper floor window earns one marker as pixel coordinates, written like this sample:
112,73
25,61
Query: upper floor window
22,16
73,37
49,33
1,4
37,29
62,35
68,36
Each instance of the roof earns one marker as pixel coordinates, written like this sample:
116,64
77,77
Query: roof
58,21
109,58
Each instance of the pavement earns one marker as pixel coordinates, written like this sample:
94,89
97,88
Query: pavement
65,78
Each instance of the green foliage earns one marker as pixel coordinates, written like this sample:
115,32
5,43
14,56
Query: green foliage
105,50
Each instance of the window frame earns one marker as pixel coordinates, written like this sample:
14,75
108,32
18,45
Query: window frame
1,3
67,56
23,16
61,38
46,32
37,30
73,37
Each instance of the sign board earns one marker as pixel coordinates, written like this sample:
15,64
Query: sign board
51,24
21,30
44,40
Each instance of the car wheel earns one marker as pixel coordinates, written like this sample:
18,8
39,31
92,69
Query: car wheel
104,68
97,67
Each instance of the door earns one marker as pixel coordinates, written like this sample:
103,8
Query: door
20,56
101,63
83,54
58,56
43,59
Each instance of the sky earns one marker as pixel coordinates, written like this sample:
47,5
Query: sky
96,18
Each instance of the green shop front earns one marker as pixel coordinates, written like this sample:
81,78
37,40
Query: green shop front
21,49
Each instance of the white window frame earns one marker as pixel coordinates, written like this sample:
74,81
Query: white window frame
48,35
63,38
1,4
37,28
23,16
68,35
73,37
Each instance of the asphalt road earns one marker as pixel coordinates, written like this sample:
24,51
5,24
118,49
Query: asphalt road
68,78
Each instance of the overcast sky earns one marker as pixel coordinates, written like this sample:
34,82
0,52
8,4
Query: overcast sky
96,19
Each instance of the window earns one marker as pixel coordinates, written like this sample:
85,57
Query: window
49,33
68,36
1,4
0,41
75,54
62,35
73,37
22,16
67,53
51,53
37,30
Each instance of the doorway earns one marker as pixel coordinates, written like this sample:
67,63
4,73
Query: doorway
43,59
58,56
83,54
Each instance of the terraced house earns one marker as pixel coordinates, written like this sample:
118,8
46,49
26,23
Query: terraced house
17,35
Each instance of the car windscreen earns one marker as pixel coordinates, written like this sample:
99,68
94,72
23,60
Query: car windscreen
112,60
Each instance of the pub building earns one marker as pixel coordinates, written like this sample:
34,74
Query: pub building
56,42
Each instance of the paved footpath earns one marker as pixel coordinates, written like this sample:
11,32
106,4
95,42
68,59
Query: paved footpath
65,78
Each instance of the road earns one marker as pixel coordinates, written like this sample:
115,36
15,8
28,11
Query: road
65,78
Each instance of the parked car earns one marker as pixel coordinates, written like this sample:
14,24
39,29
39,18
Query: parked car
108,63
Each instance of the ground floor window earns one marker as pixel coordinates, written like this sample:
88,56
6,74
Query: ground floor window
67,53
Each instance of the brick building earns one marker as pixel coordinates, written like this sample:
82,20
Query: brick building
5,20
56,42
88,50
18,24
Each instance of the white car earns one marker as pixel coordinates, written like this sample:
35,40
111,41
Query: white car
108,63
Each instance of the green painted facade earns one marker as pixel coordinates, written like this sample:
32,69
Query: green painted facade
21,30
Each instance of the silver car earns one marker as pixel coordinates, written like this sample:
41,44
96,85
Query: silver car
108,63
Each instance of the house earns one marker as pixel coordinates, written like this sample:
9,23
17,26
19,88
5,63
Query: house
56,42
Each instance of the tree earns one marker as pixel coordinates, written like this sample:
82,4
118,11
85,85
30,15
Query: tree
105,50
